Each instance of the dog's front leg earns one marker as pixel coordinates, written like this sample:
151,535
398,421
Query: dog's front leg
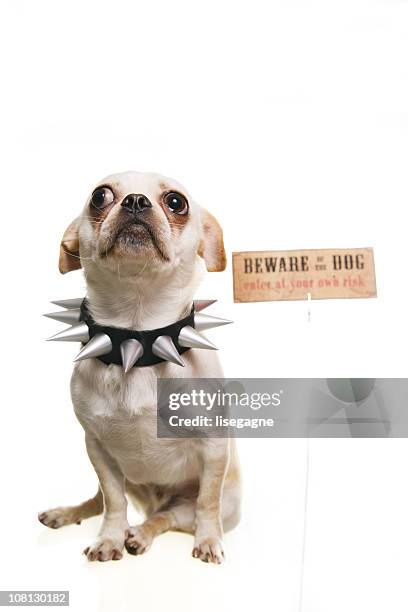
208,544
111,538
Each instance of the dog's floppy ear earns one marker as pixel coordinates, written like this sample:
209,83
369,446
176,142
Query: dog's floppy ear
211,247
69,250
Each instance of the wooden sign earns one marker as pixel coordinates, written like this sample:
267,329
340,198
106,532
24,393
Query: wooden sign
263,276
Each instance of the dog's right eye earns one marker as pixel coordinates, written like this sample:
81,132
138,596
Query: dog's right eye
102,197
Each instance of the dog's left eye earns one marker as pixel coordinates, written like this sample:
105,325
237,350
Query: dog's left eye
176,202
102,197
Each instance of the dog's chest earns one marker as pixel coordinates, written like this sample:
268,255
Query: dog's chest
120,411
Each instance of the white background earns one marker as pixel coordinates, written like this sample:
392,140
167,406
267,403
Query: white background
288,120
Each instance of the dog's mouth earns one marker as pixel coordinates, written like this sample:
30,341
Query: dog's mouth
132,236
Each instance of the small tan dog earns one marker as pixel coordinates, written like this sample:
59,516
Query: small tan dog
142,266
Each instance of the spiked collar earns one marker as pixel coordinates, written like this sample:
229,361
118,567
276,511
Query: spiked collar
131,348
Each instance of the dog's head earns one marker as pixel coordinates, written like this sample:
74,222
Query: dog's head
141,221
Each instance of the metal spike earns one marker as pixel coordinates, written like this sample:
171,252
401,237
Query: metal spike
131,350
203,321
72,303
76,333
190,338
200,305
164,348
65,316
99,345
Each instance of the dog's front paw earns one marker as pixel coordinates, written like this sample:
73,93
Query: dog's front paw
209,550
105,549
138,540
58,517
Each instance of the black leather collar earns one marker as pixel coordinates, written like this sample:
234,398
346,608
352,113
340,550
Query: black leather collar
119,334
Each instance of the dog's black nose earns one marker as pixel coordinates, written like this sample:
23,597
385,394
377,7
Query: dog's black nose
136,202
